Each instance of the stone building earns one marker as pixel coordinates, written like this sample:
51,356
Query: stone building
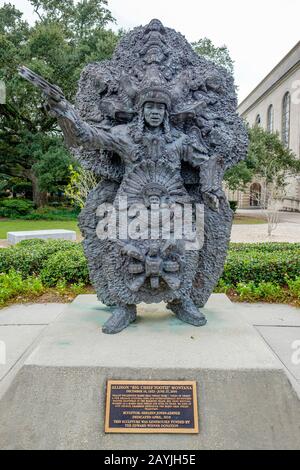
275,105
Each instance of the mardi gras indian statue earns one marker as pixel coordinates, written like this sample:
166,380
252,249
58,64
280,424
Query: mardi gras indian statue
159,125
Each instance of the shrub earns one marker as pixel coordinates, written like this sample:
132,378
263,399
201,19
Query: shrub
269,292
24,188
294,287
267,272
260,266
246,291
78,288
32,242
15,208
29,256
49,213
222,287
264,291
264,247
233,205
13,285
69,266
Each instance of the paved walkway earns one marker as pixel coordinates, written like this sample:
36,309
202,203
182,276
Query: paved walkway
22,325
288,229
20,329
285,232
279,326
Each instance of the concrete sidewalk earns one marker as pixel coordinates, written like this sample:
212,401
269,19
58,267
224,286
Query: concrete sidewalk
21,327
279,326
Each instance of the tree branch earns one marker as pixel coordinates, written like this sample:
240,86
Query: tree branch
10,112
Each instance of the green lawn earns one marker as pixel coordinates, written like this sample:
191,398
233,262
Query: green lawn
244,220
10,225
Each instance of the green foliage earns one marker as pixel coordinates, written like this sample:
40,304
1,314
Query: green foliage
48,213
29,256
78,288
265,247
63,288
23,209
270,158
219,55
222,287
69,266
22,188
267,272
246,291
264,291
51,169
233,205
267,158
15,208
259,266
66,36
294,286
13,285
240,175
81,183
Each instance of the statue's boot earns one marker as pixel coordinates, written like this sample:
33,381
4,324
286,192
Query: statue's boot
186,311
121,318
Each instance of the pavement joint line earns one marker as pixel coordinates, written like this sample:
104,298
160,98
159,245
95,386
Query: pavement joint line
275,326
24,324
276,354
24,354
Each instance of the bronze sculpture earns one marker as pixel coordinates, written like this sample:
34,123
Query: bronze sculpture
159,125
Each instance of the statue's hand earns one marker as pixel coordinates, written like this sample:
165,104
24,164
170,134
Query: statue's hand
212,201
60,109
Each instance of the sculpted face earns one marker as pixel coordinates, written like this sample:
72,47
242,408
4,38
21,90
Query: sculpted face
154,113
154,200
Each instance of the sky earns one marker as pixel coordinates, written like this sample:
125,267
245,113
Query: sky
258,33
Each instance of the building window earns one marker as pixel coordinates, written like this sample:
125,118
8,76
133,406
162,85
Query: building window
258,120
286,111
270,119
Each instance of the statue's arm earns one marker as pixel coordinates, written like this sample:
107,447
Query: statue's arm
210,169
78,133
193,153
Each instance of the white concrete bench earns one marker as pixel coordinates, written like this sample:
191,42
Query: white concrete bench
15,237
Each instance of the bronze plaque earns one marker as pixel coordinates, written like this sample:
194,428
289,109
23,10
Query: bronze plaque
151,407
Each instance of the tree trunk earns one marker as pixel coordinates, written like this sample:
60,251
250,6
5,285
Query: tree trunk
40,198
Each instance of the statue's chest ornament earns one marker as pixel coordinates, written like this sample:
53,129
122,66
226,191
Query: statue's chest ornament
154,149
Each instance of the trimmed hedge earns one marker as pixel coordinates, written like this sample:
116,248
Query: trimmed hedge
262,266
269,247
69,266
58,260
29,256
15,207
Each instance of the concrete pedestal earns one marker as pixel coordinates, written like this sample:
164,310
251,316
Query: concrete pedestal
57,400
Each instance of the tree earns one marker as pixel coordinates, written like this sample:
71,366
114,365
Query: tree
66,36
267,158
219,55
81,183
273,164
